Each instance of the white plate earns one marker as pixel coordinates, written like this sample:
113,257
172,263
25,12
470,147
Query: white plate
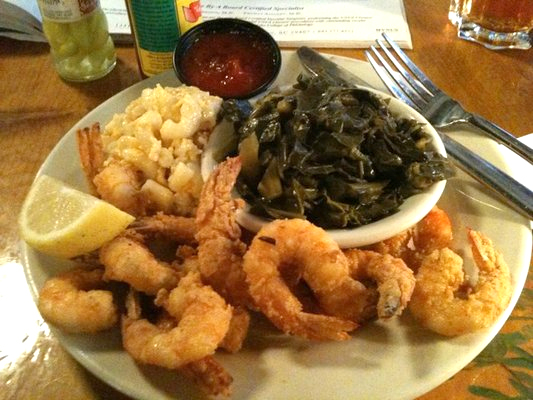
395,360
412,210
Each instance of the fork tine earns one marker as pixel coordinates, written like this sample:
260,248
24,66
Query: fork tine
407,61
389,82
415,84
408,90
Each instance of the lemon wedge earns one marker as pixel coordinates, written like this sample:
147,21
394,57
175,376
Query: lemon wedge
64,222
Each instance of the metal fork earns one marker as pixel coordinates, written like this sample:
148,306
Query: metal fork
514,193
435,105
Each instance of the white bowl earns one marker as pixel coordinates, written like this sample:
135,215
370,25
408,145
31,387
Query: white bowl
410,212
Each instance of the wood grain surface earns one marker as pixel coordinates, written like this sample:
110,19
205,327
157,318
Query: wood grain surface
37,108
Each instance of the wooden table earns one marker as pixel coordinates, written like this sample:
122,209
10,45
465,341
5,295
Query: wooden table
37,108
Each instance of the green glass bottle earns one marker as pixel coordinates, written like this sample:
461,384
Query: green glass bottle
80,44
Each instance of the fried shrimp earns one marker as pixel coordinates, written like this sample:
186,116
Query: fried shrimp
395,281
220,249
115,182
299,244
207,373
433,232
75,302
127,259
203,321
119,184
440,301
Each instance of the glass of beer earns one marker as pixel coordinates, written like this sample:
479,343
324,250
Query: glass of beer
496,24
454,14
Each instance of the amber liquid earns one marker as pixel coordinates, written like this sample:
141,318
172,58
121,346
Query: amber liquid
500,15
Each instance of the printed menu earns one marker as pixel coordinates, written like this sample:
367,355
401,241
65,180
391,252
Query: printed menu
332,23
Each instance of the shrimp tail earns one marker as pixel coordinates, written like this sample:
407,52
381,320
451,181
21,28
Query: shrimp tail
395,281
172,227
485,255
323,327
209,375
91,153
238,329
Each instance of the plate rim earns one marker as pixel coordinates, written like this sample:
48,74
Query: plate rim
91,365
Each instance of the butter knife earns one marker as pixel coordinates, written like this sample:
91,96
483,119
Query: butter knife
516,195
316,64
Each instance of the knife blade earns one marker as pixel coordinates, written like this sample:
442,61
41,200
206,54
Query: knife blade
317,64
516,195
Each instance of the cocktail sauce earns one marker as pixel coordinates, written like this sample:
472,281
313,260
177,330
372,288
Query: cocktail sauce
228,64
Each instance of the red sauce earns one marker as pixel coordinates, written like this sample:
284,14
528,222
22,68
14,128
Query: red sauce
228,64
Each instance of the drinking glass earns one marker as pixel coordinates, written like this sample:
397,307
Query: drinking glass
496,24
454,13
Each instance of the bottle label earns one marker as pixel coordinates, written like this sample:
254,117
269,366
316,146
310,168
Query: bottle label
67,10
156,27
189,13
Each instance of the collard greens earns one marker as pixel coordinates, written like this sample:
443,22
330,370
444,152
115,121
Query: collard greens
333,155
